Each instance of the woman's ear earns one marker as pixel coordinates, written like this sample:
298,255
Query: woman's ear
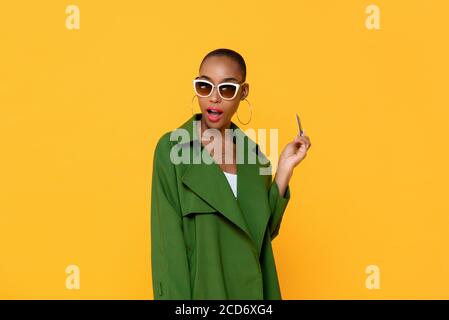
245,91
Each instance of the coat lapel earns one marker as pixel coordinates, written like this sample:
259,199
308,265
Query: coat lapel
250,211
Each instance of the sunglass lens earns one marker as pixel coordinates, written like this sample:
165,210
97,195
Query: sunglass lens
203,88
227,91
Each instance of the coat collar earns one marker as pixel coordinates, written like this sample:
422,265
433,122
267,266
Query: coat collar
251,210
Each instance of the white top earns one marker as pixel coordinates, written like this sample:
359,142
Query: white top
232,179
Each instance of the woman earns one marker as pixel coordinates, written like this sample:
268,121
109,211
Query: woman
212,223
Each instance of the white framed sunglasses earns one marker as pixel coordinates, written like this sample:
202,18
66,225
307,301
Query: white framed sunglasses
226,90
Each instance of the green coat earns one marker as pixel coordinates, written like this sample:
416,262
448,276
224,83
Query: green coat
205,243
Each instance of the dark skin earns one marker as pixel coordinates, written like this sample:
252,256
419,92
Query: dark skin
216,69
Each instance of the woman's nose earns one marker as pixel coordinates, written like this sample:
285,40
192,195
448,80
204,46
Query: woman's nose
214,97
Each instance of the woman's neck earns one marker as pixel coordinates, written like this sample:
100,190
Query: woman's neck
222,130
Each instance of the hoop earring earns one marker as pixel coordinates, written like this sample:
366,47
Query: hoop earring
191,104
251,111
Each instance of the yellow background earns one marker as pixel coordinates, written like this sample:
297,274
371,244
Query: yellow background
81,111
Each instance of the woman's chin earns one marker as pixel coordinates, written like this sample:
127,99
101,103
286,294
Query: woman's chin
214,121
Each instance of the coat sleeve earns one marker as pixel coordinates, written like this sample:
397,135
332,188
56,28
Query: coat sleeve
170,267
278,204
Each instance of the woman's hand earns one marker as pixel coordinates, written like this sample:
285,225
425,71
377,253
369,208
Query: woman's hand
294,152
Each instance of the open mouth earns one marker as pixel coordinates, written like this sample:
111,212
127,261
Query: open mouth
214,114
214,111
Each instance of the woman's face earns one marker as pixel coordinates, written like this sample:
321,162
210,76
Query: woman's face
218,69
